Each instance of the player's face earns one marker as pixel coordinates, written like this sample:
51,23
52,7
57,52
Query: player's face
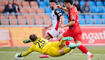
67,5
52,4
33,37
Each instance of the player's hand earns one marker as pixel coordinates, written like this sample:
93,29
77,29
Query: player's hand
18,55
46,27
26,41
59,6
62,26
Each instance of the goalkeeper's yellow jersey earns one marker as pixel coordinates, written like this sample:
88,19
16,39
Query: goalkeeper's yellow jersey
39,45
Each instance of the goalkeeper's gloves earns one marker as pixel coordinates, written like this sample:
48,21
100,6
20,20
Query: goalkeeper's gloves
19,55
26,41
72,46
67,38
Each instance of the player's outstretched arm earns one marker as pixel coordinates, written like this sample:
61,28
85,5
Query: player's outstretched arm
24,54
62,20
65,9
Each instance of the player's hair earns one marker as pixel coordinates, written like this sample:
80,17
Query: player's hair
33,37
70,1
52,0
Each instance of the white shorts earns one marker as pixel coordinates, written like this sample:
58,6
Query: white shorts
53,32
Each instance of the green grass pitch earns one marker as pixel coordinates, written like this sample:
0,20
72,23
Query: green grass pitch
8,54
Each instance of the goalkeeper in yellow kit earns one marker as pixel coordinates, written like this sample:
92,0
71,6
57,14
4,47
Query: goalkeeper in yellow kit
49,48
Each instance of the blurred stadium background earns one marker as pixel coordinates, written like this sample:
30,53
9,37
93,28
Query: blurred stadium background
30,17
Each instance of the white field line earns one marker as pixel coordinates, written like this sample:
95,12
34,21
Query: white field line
37,52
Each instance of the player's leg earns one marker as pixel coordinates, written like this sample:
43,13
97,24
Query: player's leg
85,50
64,50
78,39
54,49
52,33
62,42
67,36
70,44
48,36
68,47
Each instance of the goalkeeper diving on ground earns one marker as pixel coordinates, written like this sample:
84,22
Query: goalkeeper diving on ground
53,49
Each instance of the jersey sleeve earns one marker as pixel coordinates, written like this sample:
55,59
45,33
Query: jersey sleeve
58,13
27,52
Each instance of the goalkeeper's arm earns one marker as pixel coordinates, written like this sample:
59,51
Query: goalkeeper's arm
25,53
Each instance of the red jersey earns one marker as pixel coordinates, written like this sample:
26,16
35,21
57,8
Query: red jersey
73,16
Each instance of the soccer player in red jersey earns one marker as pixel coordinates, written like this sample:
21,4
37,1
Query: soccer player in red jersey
74,28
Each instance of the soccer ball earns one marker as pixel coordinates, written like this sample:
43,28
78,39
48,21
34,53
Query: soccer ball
18,58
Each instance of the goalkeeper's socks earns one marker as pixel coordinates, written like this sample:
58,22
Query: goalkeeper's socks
67,38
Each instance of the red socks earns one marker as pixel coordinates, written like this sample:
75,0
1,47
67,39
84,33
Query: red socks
83,49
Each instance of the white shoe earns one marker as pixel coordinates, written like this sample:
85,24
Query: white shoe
90,56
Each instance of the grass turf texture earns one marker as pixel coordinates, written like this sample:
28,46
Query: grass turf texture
8,54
